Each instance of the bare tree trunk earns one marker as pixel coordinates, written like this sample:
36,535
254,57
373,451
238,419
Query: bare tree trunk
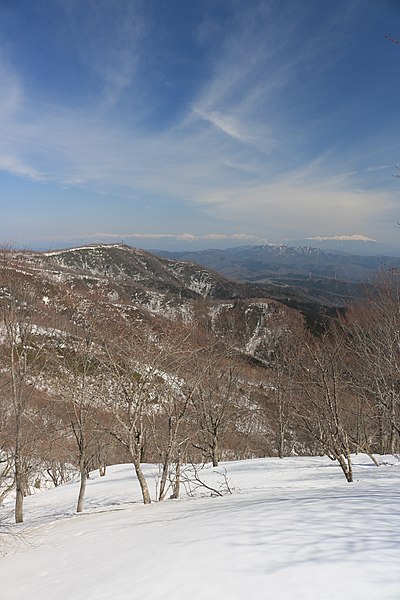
142,482
167,461
177,482
82,488
19,504
381,430
215,451
346,466
19,477
393,432
281,436
164,476
19,499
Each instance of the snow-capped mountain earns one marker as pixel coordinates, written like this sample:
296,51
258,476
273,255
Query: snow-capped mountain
353,244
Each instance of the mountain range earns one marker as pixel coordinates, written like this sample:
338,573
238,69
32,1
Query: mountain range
315,282
307,279
351,244
261,263
101,280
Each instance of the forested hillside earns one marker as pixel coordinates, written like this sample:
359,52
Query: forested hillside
110,354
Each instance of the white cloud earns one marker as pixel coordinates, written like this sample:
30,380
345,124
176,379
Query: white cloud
11,94
233,236
299,205
180,237
224,123
343,238
378,168
13,165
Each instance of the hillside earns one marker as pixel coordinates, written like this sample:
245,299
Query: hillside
109,354
122,275
291,529
97,335
137,270
168,285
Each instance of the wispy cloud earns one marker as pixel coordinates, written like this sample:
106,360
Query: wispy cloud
250,147
378,168
218,175
222,122
14,166
299,204
108,40
180,237
10,91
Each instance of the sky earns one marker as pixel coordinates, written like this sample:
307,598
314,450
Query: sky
198,123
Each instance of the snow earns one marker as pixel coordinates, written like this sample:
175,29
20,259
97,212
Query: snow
80,248
293,529
201,283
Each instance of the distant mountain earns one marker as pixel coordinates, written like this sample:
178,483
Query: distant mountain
301,277
356,244
276,261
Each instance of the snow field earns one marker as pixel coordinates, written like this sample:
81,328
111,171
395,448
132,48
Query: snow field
293,529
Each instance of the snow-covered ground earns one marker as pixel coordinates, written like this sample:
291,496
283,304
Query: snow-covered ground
293,529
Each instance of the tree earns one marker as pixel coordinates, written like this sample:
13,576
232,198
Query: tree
79,389
373,336
180,376
216,400
280,369
131,360
324,411
23,356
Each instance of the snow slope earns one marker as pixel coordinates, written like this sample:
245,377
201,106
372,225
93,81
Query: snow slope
293,529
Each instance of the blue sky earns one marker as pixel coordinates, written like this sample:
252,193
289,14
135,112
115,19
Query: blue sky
198,123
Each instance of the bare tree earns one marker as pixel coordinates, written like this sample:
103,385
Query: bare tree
23,357
216,401
7,479
176,384
324,409
373,336
130,392
280,369
79,388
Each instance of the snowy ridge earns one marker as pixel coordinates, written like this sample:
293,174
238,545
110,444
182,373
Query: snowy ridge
80,248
